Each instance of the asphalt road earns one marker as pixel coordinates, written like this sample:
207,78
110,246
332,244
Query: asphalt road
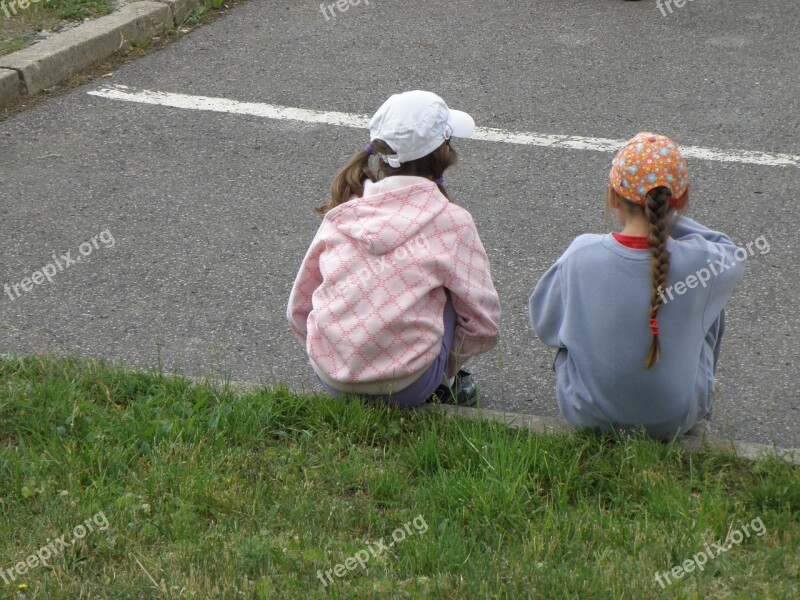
211,213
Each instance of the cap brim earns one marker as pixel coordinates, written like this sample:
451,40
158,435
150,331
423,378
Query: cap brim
461,124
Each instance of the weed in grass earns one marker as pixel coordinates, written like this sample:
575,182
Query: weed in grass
77,10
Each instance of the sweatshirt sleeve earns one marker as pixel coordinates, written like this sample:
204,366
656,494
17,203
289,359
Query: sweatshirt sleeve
725,263
308,279
475,299
546,307
685,229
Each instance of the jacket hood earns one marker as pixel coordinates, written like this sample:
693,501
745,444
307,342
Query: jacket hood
391,212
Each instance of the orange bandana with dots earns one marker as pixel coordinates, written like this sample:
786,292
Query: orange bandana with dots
646,162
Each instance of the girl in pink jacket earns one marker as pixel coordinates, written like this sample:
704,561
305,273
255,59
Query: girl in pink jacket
395,294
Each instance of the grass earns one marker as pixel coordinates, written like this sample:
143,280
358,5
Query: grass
17,31
211,492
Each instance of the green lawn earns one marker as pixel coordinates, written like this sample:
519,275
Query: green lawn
209,492
18,25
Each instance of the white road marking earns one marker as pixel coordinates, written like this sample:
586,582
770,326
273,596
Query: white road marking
287,113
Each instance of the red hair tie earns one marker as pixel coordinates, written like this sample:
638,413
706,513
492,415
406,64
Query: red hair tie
654,327
673,201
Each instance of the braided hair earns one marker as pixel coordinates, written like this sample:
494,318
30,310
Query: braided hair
657,212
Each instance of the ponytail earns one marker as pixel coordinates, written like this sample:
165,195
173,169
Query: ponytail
349,181
657,210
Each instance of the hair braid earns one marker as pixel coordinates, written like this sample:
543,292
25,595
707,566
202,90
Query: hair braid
657,211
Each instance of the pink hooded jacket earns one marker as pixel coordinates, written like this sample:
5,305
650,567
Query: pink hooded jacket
368,301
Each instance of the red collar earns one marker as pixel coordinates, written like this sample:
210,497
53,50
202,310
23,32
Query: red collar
632,241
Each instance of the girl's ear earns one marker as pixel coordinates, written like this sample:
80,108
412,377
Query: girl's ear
613,200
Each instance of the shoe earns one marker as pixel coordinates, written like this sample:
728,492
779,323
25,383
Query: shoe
463,393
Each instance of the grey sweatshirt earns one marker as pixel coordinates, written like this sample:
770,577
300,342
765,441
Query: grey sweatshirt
594,304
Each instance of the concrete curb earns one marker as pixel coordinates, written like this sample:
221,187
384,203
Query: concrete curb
51,61
691,444
549,425
10,87
180,8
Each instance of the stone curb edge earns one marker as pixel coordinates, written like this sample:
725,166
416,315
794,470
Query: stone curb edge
691,444
53,60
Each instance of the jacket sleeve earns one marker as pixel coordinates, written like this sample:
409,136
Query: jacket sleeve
546,307
474,297
726,262
308,279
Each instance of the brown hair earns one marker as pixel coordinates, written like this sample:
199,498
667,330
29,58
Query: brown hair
350,180
657,211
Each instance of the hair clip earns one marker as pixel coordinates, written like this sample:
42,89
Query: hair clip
439,180
368,149
392,160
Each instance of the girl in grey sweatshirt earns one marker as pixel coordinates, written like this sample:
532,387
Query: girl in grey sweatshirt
638,316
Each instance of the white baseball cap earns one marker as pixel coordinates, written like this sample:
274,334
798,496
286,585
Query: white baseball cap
415,123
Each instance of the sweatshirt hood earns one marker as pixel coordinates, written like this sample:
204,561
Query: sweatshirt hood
390,213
